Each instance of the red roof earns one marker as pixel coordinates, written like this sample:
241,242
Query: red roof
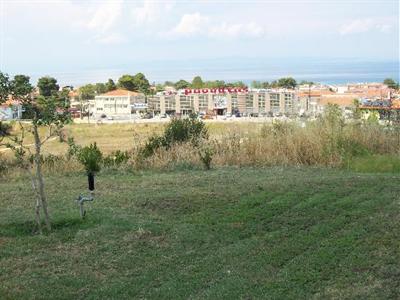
121,92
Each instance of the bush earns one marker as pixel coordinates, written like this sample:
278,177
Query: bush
73,149
177,131
116,159
90,157
206,155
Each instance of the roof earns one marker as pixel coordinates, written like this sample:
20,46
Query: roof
10,102
339,99
72,94
120,92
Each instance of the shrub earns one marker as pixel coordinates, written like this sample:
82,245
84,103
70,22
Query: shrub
116,159
73,149
177,131
184,130
90,157
206,155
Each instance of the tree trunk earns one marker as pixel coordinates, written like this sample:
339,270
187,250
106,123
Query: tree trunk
39,176
38,203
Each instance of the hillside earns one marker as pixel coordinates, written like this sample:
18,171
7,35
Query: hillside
229,233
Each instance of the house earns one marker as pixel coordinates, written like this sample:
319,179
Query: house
119,103
11,110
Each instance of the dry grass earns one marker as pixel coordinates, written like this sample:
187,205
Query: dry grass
238,144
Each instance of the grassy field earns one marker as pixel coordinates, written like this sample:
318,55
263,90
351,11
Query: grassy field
249,233
111,137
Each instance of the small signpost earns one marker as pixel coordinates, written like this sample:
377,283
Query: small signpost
90,157
82,199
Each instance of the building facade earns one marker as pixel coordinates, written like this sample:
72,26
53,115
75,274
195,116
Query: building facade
11,110
119,103
247,102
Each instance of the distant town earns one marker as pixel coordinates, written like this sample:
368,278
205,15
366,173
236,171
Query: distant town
133,98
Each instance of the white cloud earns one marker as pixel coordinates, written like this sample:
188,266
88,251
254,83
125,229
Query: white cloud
197,24
105,15
150,11
190,24
225,30
364,25
110,39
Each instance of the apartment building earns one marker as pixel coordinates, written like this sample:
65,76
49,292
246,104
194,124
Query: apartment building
245,102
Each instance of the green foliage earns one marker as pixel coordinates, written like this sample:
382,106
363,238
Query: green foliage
116,159
197,82
230,233
110,85
214,84
240,84
183,130
375,164
260,85
153,143
332,117
356,109
177,131
391,83
73,149
127,82
182,84
90,157
5,87
87,92
137,83
47,86
206,154
306,82
21,86
286,82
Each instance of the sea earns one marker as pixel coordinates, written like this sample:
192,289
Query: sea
326,71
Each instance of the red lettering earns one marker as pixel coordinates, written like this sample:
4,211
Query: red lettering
221,90
246,90
196,91
213,91
229,90
188,91
204,91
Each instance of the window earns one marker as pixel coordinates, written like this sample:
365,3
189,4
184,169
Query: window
170,103
203,102
261,102
288,101
275,98
235,104
186,102
249,102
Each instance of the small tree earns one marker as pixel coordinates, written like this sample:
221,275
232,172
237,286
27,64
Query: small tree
391,83
110,85
197,82
182,84
48,110
287,83
90,157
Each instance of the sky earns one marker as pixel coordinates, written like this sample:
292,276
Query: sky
84,41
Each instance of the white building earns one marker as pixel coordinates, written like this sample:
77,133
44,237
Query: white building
11,110
119,103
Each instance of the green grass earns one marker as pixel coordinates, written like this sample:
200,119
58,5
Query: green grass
376,164
231,233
